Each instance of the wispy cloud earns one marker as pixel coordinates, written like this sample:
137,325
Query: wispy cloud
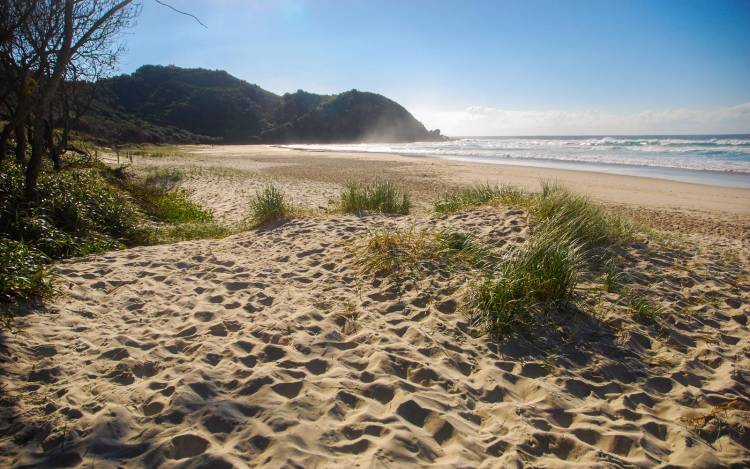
482,120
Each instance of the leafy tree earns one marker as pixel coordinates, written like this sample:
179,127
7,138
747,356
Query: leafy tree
44,45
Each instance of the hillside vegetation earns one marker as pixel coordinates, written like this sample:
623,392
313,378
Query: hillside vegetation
176,105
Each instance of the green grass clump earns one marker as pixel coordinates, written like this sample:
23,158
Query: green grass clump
612,279
150,151
406,254
536,278
463,247
644,310
166,178
174,206
23,271
378,196
401,253
542,275
78,212
269,205
481,194
579,217
174,232
159,197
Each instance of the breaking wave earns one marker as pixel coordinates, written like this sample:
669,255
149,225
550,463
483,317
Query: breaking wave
700,153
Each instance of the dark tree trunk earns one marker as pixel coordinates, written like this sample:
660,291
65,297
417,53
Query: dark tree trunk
29,131
20,144
66,125
54,150
7,129
35,162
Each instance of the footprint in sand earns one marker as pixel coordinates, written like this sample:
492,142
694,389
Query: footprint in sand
186,446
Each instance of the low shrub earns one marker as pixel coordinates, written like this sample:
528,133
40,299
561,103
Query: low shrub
78,212
85,208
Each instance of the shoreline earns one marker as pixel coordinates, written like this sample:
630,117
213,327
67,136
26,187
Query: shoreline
224,178
729,179
606,187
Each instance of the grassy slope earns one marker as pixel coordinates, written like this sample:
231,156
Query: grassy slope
86,208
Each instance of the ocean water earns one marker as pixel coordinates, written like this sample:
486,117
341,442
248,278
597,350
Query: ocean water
722,160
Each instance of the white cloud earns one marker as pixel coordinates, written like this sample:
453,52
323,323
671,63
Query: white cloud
482,120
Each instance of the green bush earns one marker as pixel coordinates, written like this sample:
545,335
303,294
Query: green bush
378,196
268,205
78,212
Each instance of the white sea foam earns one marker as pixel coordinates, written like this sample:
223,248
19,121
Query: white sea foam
701,153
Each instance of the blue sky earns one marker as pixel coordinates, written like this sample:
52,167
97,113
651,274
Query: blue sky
476,67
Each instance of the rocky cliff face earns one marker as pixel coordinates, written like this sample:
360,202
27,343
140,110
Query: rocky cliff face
172,104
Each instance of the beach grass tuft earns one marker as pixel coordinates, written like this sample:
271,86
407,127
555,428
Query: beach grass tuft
478,195
377,196
542,275
164,177
534,279
150,151
406,254
269,205
187,231
579,217
612,279
644,310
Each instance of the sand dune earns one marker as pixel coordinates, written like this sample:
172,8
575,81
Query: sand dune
270,348
265,349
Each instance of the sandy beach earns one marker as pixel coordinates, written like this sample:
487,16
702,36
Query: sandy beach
270,348
223,177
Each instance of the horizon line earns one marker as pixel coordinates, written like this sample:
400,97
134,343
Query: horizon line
728,134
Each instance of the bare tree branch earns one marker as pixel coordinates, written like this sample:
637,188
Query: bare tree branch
181,12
